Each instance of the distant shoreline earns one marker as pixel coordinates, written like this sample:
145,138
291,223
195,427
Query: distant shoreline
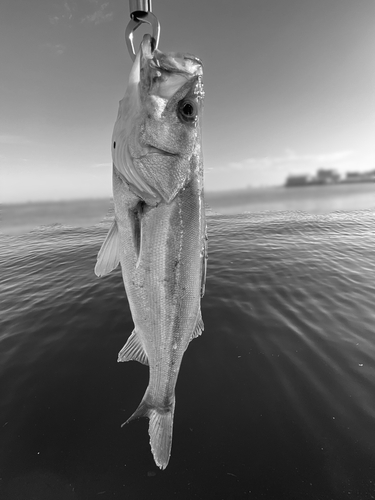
244,192
322,184
64,201
19,218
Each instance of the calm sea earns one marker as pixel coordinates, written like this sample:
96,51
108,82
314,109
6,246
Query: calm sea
276,400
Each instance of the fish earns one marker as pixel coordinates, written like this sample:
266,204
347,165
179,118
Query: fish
159,232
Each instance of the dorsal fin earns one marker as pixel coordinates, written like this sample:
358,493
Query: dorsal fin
108,256
133,350
204,263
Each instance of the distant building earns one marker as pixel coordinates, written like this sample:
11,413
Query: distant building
322,177
360,177
297,180
327,176
353,175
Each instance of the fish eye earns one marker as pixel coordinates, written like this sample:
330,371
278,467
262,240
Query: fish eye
187,110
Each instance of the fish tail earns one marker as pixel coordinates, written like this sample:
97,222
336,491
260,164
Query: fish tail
160,429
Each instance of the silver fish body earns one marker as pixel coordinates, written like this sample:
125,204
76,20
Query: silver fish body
159,233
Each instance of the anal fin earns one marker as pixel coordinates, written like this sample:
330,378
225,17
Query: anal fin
133,350
199,327
108,256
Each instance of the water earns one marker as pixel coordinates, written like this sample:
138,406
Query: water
311,199
274,401
21,218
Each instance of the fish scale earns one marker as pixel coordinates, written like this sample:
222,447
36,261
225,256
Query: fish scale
159,232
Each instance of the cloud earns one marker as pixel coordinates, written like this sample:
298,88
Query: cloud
13,139
99,16
291,158
66,13
68,10
102,165
55,48
333,157
54,19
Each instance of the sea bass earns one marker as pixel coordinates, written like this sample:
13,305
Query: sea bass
159,232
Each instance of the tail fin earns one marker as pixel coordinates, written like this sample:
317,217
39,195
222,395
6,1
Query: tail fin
160,429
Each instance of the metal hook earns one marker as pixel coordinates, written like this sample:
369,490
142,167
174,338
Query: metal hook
140,12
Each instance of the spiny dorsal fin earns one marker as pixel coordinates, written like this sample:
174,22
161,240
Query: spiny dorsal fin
133,350
108,256
204,263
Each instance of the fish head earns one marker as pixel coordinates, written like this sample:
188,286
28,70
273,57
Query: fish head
161,147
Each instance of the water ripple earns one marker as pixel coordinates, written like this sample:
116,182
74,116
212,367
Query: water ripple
289,339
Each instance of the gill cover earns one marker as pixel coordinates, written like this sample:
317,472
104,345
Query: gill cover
129,110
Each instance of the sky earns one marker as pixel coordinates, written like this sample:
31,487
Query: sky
289,88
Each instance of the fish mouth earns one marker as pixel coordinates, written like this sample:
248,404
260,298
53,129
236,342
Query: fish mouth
157,151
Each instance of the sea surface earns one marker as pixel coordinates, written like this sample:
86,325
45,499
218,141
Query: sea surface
276,400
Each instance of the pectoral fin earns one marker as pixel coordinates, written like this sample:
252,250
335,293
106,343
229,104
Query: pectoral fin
124,164
133,350
108,256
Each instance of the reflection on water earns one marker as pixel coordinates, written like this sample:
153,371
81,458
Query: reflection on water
24,217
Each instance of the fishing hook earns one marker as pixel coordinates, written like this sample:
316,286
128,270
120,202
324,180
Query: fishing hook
140,12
